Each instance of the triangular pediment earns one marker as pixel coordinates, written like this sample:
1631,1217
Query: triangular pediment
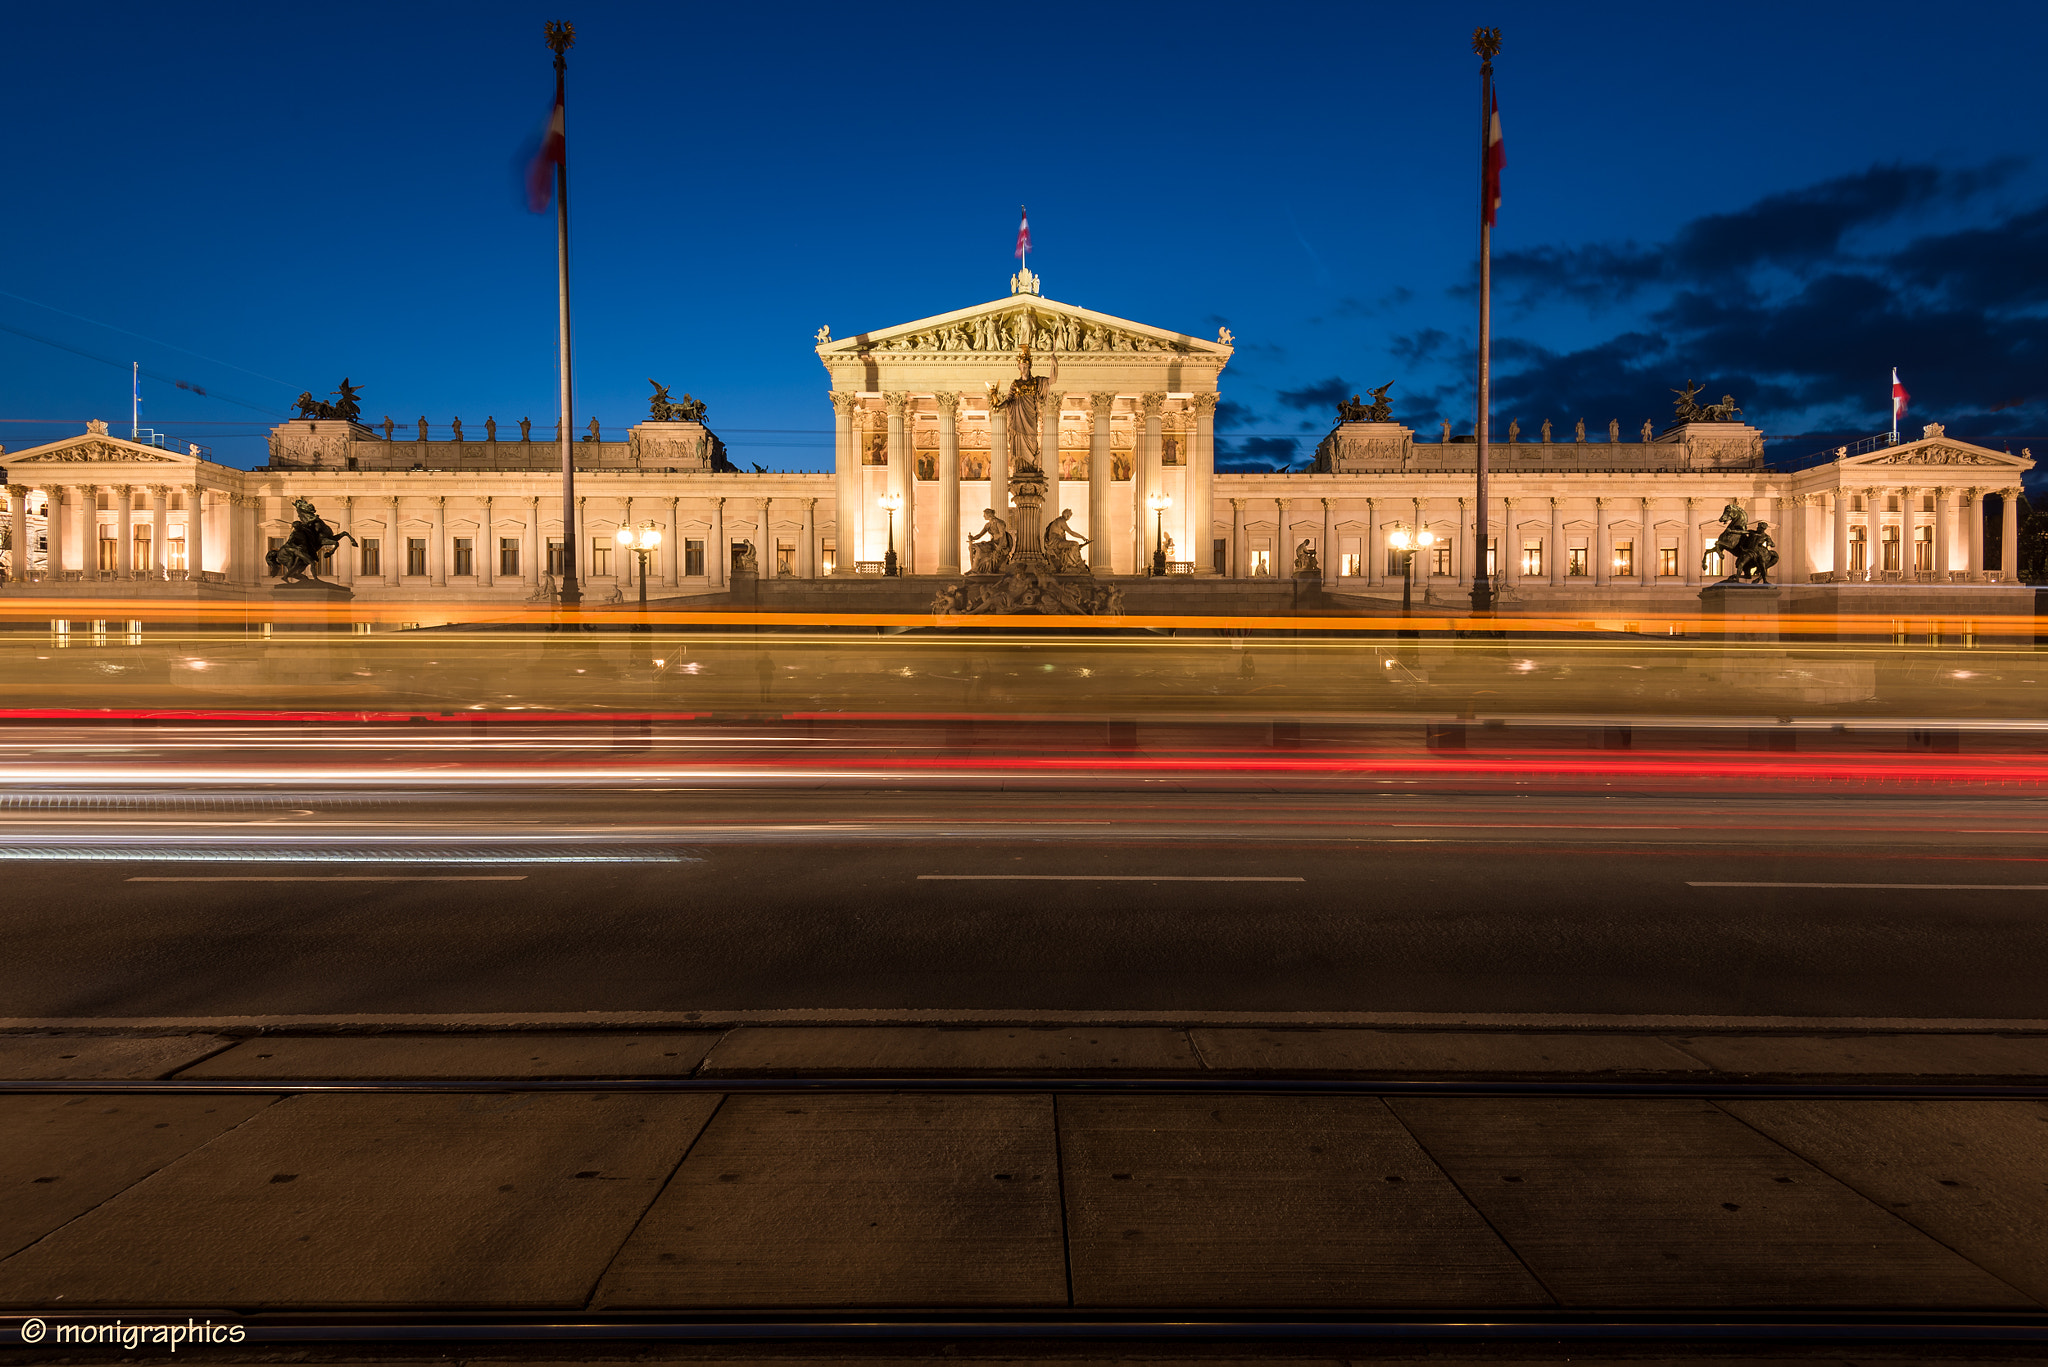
1001,325
1938,450
97,448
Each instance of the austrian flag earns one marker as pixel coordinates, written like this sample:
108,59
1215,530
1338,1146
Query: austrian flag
1494,159
540,172
1899,397
1023,233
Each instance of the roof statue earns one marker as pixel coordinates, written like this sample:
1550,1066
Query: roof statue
1688,409
1381,409
660,408
345,408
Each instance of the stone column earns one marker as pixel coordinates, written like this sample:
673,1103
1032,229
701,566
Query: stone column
1909,524
1466,549
533,558
1049,450
1787,530
1236,566
1690,552
1369,554
1283,548
1839,571
718,556
1554,552
2009,540
1944,530
437,541
898,482
394,546
486,546
1973,530
1202,486
1145,480
807,550
670,555
1101,521
1509,561
19,558
1603,554
1329,560
999,464
1425,561
345,553
764,535
87,514
845,488
195,534
1646,545
124,531
948,560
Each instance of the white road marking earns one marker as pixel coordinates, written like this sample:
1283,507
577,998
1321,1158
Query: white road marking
1098,878
1929,887
353,878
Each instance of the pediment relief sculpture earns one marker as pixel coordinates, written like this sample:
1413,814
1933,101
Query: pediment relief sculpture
96,452
1001,333
1936,455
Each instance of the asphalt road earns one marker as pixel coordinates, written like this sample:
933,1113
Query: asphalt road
1349,899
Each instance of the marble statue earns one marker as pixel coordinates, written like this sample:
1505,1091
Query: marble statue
1514,431
1546,431
990,546
423,429
1579,432
490,429
456,423
526,429
1062,547
1613,430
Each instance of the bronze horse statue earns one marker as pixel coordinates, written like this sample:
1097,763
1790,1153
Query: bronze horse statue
298,559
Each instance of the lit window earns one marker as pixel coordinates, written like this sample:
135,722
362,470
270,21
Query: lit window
600,556
1532,559
693,557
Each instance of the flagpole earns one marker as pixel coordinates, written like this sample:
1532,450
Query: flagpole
1485,43
135,405
562,37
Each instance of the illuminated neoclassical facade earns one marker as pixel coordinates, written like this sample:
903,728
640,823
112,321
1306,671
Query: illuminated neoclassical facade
1572,524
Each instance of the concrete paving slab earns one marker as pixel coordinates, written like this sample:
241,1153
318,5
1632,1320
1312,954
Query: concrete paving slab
1269,1201
567,1053
1644,1203
882,1200
1404,1051
92,1057
870,1050
1863,1055
1974,1174
372,1201
60,1156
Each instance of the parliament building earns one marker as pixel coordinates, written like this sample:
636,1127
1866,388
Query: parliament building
921,452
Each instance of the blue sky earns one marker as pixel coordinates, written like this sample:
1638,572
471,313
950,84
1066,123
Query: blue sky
1781,201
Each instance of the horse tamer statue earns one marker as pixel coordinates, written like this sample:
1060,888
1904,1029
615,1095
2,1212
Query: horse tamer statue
1751,548
298,559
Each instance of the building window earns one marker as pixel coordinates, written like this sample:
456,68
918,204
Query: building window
1262,563
555,565
1891,503
177,503
1927,503
1349,567
1923,550
415,555
102,501
508,556
828,556
785,559
1625,559
145,547
1492,557
1859,553
1532,559
372,556
1667,562
1891,549
600,557
1440,559
1855,503
693,558
465,556
110,554
1715,562
1575,564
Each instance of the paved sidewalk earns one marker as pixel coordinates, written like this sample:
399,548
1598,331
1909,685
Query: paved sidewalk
1024,1199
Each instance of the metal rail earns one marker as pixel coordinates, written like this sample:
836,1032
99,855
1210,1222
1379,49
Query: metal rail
1248,1085
1070,1325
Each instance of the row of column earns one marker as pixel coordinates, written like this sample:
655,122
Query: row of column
853,519
1872,519
85,523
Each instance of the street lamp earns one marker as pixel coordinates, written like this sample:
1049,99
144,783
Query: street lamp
1408,543
892,502
1158,503
641,541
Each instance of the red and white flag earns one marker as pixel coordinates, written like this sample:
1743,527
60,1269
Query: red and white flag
1899,397
540,172
1494,160
1023,232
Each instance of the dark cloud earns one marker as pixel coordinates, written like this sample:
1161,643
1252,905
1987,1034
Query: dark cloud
1257,455
1230,413
1414,348
1767,304
1322,394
